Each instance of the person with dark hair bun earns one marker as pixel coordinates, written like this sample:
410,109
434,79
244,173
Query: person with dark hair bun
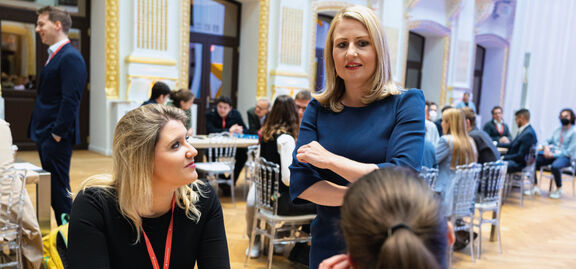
391,219
184,99
558,150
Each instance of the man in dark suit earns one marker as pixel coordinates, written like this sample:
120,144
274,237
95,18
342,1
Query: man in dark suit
487,151
520,146
257,115
496,128
55,126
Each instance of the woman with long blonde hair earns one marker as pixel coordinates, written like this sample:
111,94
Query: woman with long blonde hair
151,210
455,148
361,122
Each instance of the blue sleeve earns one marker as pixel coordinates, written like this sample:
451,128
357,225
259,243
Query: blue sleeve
442,150
73,76
303,175
406,144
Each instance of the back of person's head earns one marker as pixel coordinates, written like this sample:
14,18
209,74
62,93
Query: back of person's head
181,95
283,118
303,95
463,150
571,113
133,154
524,113
57,14
159,89
391,219
381,83
470,116
446,107
225,100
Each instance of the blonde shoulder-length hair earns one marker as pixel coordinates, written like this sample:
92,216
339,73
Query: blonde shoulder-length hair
381,80
463,150
135,139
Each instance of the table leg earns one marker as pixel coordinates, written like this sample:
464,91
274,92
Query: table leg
43,203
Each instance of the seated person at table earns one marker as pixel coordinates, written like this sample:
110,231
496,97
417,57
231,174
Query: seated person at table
455,148
257,115
391,219
302,99
558,150
496,128
160,93
227,119
487,152
520,146
277,142
152,200
184,99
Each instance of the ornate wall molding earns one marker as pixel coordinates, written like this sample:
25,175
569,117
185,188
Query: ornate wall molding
410,3
319,7
491,40
262,73
288,74
150,60
112,61
152,24
483,10
429,26
184,44
504,76
291,37
453,8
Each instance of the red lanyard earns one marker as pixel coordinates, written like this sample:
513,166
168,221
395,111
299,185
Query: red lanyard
168,244
499,129
224,123
57,50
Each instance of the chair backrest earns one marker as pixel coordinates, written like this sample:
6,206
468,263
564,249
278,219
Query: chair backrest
12,187
429,175
267,180
253,154
491,181
222,148
466,178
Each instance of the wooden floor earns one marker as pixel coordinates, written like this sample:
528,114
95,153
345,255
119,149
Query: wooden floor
541,234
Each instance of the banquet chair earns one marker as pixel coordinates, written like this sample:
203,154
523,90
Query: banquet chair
12,188
219,165
523,178
429,175
466,182
276,228
567,173
489,199
250,166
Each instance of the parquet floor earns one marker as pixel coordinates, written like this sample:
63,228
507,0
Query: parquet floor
542,234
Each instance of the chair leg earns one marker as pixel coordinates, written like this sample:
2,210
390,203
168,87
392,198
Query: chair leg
471,233
480,234
498,231
232,191
252,238
271,245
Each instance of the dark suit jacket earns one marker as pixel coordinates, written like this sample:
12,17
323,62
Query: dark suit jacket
520,146
253,121
60,87
487,152
214,122
490,128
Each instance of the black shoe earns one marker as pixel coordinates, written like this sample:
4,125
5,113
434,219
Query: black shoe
463,239
300,254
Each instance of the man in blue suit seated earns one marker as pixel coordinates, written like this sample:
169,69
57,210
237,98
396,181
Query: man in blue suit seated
55,126
519,148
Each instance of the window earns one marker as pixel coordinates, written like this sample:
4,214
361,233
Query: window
414,62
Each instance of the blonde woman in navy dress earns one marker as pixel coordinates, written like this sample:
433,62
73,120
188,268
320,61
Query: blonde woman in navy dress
360,123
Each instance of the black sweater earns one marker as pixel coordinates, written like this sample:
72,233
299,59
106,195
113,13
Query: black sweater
100,237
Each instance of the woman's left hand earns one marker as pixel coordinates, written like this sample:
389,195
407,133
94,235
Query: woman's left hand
315,154
336,262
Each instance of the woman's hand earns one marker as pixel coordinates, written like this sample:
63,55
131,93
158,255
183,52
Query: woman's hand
336,262
315,154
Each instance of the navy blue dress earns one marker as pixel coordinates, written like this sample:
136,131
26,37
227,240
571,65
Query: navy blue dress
387,132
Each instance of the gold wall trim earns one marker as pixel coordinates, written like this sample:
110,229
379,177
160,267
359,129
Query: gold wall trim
112,62
446,57
319,7
150,60
288,74
262,73
293,90
184,43
504,76
291,37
